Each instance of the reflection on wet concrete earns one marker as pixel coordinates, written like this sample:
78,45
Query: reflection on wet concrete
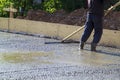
88,58
98,58
78,58
29,58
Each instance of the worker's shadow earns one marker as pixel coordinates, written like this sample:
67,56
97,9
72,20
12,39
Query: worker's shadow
109,53
106,52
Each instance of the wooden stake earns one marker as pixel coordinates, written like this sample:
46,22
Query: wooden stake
11,13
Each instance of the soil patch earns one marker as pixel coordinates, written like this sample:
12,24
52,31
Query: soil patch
77,17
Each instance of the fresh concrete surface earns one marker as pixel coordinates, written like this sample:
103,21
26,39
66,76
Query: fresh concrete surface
30,58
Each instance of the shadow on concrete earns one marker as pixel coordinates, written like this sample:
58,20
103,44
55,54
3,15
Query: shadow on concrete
105,52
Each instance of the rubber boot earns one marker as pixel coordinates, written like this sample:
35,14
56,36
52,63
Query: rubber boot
93,46
82,44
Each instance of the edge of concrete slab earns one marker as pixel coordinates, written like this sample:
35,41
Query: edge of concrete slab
54,30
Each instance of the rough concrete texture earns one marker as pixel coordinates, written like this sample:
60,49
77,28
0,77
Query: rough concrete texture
29,58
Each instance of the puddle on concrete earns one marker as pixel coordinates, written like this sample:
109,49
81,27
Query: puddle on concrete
40,57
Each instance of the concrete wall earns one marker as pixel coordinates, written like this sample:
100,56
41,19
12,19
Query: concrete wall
109,38
4,22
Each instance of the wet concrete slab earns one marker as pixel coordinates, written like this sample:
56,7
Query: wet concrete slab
29,58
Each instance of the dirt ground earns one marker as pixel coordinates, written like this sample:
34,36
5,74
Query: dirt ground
77,17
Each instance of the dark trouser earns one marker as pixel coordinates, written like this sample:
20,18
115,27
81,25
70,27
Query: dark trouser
93,22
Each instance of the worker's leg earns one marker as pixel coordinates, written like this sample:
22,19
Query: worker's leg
98,30
87,31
